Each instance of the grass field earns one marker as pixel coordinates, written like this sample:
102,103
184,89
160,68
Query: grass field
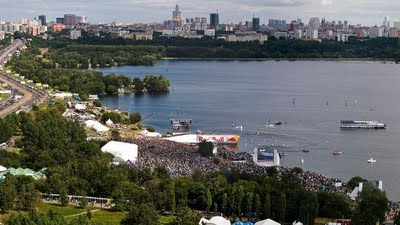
98,215
4,97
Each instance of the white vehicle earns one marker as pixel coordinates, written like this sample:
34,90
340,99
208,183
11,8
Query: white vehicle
371,160
362,124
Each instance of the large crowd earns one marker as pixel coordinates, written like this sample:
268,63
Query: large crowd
183,160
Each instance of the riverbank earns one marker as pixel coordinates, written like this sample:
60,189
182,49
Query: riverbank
283,59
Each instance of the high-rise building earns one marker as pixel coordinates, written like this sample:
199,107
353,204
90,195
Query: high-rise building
214,20
43,20
82,20
60,20
386,22
256,23
70,19
314,23
277,24
177,14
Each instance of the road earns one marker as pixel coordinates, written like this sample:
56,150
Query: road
30,95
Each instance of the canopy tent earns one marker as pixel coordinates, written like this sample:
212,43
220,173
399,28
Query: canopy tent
26,172
98,127
216,220
2,168
267,222
243,223
121,150
109,122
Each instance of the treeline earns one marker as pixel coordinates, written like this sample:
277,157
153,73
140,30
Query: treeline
84,82
377,48
79,56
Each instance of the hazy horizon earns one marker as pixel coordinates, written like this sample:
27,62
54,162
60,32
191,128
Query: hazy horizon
365,12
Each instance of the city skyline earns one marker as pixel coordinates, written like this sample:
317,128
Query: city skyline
365,12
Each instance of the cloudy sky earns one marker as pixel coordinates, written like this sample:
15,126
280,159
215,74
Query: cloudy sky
366,12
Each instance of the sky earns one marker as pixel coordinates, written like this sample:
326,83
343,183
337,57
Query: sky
365,12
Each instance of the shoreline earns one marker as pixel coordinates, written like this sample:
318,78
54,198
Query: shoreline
283,59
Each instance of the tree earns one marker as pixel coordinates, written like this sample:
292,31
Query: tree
143,214
208,200
206,149
224,203
97,103
83,202
186,216
249,203
372,204
282,207
308,207
267,206
116,135
257,205
8,194
138,84
63,197
135,117
354,181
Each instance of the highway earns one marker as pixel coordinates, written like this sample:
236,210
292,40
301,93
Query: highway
30,94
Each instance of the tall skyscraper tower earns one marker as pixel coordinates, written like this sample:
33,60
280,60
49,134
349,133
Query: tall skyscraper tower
43,20
214,20
386,22
69,19
177,14
256,23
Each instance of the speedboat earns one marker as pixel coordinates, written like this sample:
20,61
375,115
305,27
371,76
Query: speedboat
371,160
278,123
282,154
337,153
305,150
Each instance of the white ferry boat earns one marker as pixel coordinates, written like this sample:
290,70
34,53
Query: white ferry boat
362,124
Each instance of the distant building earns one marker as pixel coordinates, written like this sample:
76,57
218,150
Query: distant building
396,25
75,34
70,19
281,24
60,20
43,20
2,35
376,31
256,24
314,23
247,36
311,34
177,14
386,22
393,32
82,20
342,37
57,27
10,28
214,20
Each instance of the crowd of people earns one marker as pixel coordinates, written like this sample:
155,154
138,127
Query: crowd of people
182,160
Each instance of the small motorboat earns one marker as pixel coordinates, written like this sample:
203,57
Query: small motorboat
278,123
305,150
337,153
371,160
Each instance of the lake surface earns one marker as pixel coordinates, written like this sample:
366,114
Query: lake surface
217,94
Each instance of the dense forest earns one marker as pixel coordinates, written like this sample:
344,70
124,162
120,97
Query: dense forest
377,48
76,166
42,69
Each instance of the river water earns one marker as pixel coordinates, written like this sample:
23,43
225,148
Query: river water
309,97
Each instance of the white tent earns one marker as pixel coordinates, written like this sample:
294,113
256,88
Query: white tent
122,150
109,122
92,124
150,134
267,222
2,168
216,220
